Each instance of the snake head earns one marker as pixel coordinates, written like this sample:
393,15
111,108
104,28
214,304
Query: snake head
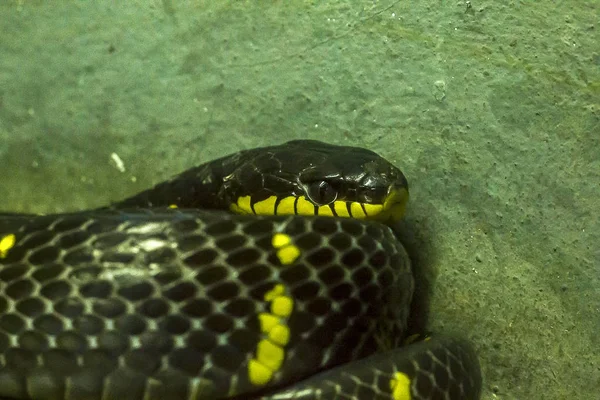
308,177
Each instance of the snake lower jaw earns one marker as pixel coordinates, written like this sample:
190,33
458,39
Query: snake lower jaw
394,206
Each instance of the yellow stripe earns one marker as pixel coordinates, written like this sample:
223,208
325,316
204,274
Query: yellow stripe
280,240
400,386
282,306
7,243
269,355
280,334
270,351
267,322
272,294
258,373
288,254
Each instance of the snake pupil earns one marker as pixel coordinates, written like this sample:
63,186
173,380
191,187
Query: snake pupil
321,192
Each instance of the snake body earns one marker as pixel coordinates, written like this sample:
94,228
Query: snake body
174,293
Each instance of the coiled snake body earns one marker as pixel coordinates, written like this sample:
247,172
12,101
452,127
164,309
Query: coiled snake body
170,295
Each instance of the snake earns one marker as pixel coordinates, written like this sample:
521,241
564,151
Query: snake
271,273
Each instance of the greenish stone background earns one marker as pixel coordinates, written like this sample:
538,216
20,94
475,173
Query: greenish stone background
491,111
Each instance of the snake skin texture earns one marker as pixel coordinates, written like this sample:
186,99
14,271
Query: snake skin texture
140,305
442,368
259,275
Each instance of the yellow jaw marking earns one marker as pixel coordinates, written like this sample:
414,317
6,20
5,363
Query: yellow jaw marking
373,209
270,351
357,211
393,207
325,211
7,243
286,206
341,209
304,206
242,206
265,207
400,387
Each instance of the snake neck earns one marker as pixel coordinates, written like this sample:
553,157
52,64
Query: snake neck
198,187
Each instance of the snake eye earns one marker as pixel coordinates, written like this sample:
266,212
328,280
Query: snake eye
321,192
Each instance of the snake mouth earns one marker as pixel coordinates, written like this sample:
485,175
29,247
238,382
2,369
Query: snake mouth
393,207
390,210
